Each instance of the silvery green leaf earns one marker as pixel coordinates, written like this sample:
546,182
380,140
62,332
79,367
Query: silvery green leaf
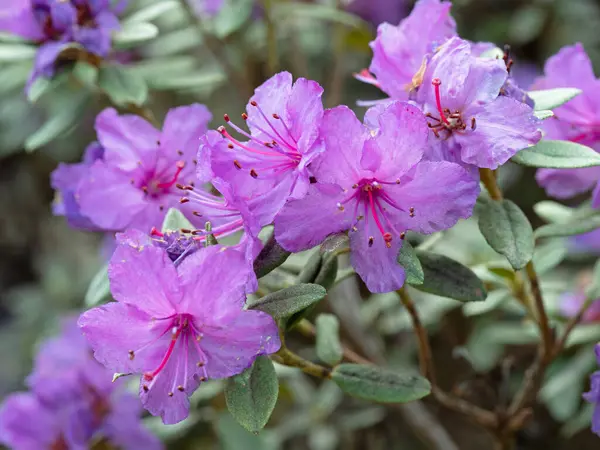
552,98
134,33
557,155
151,12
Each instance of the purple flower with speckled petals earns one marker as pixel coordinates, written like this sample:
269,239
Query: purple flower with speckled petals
177,326
136,181
399,52
374,183
65,180
55,24
74,401
468,120
578,120
284,118
593,396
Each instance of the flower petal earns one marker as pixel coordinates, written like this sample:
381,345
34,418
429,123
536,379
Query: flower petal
567,183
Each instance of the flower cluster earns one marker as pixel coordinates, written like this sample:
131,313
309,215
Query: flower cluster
72,403
56,24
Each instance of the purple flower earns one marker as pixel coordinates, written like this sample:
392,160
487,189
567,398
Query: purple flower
399,52
65,180
379,11
283,118
578,120
467,117
73,401
135,182
571,303
55,24
593,396
206,7
177,326
374,183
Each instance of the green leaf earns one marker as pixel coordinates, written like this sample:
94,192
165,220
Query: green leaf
311,268
557,155
578,224
412,266
335,242
552,211
593,290
494,300
151,12
86,73
99,288
552,98
123,86
374,383
448,278
328,346
60,122
16,52
231,17
288,301
134,33
270,257
507,230
295,10
327,271
39,88
207,79
543,114
175,221
251,396
549,255
493,53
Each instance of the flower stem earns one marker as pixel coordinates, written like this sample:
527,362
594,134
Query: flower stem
291,359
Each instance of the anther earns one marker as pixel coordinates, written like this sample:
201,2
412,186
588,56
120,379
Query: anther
145,189
397,180
222,129
402,235
145,388
203,378
237,164
253,103
196,213
184,200
244,116
411,211
371,240
161,208
180,388
253,173
194,161
185,230
387,237
200,364
179,152
132,181
354,186
230,146
473,124
354,229
340,206
276,116
131,355
170,394
226,117
312,180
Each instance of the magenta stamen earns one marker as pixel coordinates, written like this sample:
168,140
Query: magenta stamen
163,363
245,147
257,106
436,85
374,212
258,141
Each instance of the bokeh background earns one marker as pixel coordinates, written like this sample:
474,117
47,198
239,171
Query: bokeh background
46,267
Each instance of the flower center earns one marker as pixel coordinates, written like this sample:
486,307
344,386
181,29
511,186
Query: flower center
183,332
156,183
52,31
372,202
277,155
448,121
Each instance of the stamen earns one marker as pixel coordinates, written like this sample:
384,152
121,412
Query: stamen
149,376
436,85
180,165
473,124
155,232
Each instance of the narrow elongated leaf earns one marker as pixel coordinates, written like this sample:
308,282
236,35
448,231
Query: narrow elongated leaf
557,155
552,98
412,266
507,230
329,347
151,12
60,122
448,278
288,301
251,396
553,212
309,272
578,224
99,288
16,52
270,257
122,85
296,10
134,33
374,383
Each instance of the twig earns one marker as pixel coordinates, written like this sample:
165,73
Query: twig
425,358
547,336
481,416
308,329
289,358
560,344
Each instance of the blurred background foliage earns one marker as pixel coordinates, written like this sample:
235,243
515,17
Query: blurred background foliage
46,267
